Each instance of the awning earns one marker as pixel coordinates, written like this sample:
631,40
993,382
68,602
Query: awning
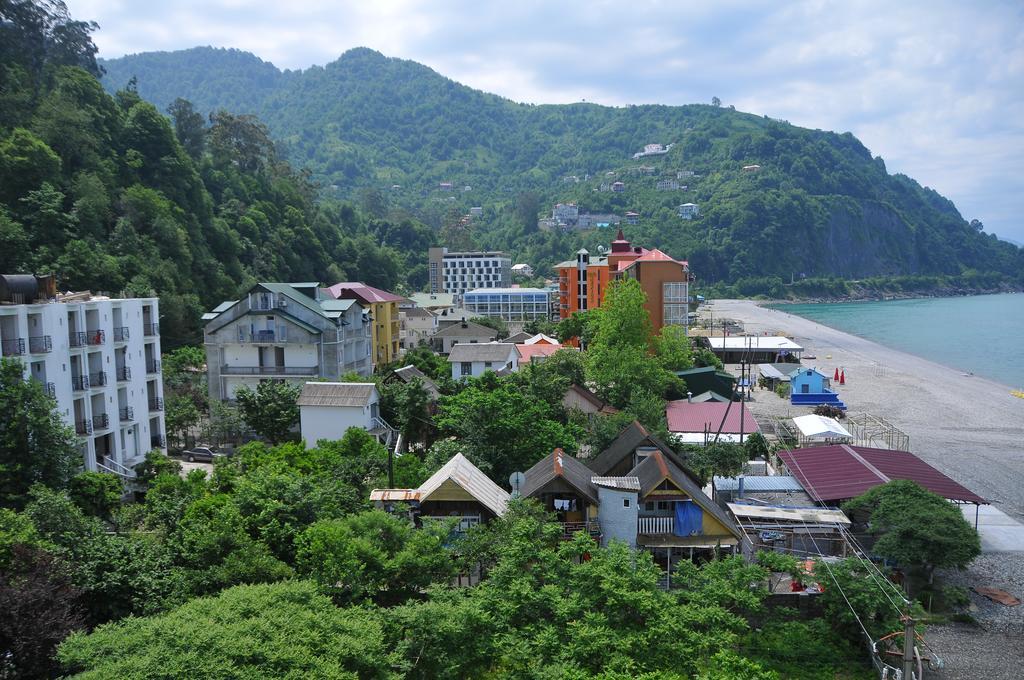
819,427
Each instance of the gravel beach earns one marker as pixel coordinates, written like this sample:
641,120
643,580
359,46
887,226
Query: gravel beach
970,428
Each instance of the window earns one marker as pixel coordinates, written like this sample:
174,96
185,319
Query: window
625,502
467,368
487,364
649,506
662,505
675,314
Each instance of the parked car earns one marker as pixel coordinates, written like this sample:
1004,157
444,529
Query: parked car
201,454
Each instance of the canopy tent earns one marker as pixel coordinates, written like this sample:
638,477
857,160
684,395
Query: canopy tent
818,427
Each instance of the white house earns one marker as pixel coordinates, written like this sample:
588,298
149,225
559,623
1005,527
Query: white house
689,210
328,409
473,360
522,269
289,331
99,358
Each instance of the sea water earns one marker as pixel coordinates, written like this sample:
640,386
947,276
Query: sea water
980,334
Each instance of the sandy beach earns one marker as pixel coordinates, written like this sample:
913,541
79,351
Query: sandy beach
970,428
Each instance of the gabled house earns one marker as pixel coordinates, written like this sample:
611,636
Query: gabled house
386,326
811,387
328,409
474,360
460,333
562,485
458,490
284,331
581,399
628,450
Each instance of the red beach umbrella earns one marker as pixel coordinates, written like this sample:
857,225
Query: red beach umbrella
836,377
842,378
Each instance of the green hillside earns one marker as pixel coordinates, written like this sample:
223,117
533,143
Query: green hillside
820,205
107,193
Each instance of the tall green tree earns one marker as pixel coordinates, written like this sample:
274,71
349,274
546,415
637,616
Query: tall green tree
271,410
35,444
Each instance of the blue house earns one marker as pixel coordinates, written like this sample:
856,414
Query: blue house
811,387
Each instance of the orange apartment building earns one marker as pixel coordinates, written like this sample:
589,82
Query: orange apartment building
583,282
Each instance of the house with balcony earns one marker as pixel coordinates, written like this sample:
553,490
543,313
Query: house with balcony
457,492
284,331
562,485
98,358
689,210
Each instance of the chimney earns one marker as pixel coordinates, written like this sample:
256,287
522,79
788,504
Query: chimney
689,397
739,488
464,324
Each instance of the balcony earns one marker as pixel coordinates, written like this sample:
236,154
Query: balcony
76,339
83,427
98,379
152,366
156,441
121,334
264,337
655,525
40,344
101,422
50,389
124,374
12,347
96,337
126,414
571,528
269,370
79,382
156,404
150,329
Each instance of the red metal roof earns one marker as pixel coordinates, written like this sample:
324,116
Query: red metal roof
362,292
834,473
684,416
528,352
656,255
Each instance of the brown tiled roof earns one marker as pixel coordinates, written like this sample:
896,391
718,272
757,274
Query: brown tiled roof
559,464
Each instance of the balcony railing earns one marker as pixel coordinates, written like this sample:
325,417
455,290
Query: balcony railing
96,337
152,366
124,373
125,414
156,441
570,528
76,339
269,370
655,525
156,404
12,347
83,427
40,344
263,336
50,389
149,329
79,382
121,334
101,421
98,379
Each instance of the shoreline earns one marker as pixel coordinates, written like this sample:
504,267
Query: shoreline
969,427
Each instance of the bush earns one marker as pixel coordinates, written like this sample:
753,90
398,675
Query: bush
830,411
96,493
782,389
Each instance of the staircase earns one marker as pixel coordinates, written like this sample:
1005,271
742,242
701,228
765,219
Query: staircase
111,466
386,435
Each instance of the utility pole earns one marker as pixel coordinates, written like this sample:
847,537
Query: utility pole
908,648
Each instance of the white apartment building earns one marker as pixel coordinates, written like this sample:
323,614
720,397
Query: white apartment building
100,359
284,331
452,272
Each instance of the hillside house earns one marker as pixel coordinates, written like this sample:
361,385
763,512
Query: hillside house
328,409
632,217
618,187
460,333
667,185
688,211
583,400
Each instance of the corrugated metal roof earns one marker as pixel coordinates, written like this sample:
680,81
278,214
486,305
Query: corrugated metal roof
759,483
409,373
621,483
781,513
754,342
835,473
363,292
684,416
495,352
336,394
472,480
467,329
528,352
559,464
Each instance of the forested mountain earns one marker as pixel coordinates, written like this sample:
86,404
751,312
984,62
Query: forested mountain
108,193
389,132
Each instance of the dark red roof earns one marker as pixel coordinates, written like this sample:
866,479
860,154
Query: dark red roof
835,473
684,416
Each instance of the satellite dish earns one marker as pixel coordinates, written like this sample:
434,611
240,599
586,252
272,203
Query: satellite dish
601,249
516,480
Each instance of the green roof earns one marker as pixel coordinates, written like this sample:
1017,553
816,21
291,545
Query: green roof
304,300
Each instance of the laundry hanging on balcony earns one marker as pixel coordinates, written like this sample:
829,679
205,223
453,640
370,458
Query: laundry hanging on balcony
689,519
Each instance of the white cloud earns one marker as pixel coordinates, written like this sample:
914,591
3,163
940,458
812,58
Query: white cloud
936,88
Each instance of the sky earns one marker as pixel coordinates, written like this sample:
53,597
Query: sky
935,88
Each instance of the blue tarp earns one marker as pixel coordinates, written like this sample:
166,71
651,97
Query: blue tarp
689,519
